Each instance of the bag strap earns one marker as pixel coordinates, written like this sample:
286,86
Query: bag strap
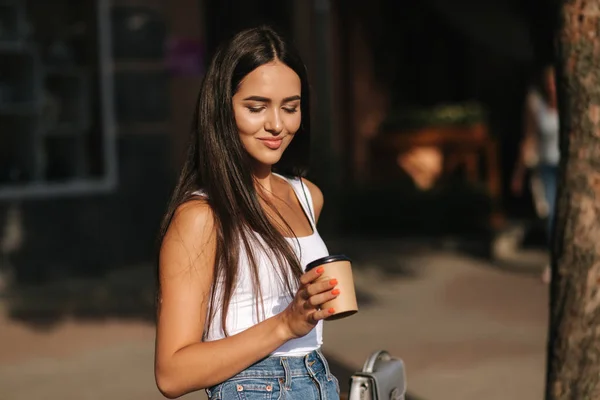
373,358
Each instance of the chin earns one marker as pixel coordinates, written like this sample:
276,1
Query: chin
268,159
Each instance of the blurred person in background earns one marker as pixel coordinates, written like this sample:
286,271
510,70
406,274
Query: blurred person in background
237,314
540,151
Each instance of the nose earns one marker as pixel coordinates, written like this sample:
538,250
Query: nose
273,123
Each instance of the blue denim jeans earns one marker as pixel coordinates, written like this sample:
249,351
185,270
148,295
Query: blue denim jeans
289,378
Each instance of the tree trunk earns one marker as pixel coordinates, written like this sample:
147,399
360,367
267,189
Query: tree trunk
574,331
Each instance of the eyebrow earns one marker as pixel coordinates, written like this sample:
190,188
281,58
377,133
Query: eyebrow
266,100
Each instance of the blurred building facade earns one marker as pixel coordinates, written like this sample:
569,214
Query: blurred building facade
96,100
86,181
96,104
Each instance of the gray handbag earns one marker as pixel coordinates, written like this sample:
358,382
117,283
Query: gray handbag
382,378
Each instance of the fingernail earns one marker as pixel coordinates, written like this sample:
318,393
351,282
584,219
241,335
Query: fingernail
320,270
333,282
331,311
335,292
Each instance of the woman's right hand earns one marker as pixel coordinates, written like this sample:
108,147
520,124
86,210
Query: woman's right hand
304,312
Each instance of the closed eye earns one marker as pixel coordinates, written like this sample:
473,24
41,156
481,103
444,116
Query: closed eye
290,110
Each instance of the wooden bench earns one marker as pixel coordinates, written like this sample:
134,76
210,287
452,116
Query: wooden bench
467,147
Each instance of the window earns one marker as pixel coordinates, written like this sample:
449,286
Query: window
57,127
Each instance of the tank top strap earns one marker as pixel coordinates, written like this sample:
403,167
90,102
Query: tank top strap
303,195
300,189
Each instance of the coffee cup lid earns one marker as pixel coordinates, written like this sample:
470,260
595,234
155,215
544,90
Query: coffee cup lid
326,260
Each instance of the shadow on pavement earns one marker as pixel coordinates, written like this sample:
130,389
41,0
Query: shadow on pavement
129,294
387,255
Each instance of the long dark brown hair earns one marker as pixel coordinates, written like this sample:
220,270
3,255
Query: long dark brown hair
218,164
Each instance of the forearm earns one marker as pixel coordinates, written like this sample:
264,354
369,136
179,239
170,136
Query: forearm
205,364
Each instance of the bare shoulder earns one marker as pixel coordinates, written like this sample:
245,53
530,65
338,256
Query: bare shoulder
191,232
317,196
193,217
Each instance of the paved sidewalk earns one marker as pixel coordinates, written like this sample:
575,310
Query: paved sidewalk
466,330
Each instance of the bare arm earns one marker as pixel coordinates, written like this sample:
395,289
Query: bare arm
530,132
526,154
183,363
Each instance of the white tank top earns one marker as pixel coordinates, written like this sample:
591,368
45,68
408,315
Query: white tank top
548,130
275,297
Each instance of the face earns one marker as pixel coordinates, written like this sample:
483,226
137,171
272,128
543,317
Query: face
267,111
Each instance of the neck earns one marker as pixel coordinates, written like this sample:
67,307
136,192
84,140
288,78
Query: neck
263,179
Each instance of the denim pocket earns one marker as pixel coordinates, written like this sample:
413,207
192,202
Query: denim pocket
214,393
251,389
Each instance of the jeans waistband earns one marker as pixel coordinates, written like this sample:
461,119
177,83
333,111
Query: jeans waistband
284,369
287,366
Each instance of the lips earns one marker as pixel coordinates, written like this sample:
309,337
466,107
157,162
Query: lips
271,143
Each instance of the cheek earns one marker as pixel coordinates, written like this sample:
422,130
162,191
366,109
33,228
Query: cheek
293,122
248,123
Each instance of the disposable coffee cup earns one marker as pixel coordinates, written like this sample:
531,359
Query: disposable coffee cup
338,267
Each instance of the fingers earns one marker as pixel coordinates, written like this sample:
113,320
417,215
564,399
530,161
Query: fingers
311,275
324,297
320,287
321,314
304,294
317,293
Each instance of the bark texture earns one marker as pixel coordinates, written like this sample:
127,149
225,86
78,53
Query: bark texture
574,331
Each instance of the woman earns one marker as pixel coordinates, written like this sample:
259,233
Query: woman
237,315
540,151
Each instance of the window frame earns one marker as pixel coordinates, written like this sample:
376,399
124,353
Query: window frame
106,183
